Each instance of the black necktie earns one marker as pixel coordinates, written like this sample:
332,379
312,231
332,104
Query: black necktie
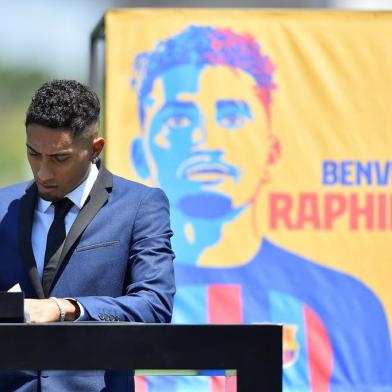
56,233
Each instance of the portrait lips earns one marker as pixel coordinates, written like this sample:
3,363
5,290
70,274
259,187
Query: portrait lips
206,169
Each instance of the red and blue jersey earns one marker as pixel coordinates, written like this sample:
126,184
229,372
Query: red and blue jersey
335,332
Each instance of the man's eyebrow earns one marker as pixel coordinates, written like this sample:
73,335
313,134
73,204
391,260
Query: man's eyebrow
56,154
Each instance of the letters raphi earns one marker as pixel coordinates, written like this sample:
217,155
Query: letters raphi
322,211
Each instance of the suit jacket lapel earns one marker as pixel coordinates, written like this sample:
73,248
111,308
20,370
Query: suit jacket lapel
25,226
97,198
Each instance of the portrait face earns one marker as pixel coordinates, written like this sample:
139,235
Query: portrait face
206,136
58,161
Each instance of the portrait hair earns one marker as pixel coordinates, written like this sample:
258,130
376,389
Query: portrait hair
64,104
202,46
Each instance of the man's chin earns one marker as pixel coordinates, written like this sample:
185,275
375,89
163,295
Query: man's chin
49,196
48,193
46,197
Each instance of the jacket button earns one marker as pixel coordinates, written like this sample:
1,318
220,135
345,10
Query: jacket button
101,316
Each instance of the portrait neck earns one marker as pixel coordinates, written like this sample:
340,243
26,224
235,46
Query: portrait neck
239,242
215,242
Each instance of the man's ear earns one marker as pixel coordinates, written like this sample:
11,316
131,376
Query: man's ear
138,158
98,144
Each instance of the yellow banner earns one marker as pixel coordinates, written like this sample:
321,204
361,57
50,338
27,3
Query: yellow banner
270,132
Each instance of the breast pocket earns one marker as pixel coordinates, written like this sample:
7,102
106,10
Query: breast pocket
107,244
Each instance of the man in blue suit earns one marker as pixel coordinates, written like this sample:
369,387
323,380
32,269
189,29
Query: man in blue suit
114,261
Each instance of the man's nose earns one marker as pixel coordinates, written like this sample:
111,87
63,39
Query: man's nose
45,173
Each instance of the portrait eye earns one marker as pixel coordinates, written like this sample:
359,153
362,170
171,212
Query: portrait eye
179,121
232,114
233,121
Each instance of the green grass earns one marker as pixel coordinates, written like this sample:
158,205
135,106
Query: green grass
16,89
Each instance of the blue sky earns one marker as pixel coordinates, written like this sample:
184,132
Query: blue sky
54,34
51,35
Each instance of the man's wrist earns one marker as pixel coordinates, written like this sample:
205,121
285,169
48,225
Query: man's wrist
60,307
72,310
68,309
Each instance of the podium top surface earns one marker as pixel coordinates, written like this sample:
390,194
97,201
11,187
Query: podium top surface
84,345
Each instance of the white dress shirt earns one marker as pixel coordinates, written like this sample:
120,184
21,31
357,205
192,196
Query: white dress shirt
44,214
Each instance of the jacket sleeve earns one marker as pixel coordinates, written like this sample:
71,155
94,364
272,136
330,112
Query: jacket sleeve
150,287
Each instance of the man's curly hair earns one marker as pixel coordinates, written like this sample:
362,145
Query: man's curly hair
65,104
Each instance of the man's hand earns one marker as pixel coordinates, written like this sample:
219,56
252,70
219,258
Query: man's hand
46,310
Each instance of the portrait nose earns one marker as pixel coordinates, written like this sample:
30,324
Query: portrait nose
202,138
199,135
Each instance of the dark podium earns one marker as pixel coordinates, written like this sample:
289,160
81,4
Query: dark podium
253,351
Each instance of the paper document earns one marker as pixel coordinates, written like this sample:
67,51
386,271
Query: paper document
17,289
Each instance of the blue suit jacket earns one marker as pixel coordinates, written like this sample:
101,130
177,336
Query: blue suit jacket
116,261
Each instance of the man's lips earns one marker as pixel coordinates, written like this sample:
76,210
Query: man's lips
45,187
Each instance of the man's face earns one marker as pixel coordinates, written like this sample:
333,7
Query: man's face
58,161
206,133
